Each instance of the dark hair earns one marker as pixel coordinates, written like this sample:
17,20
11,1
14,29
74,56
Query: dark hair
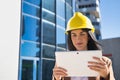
92,42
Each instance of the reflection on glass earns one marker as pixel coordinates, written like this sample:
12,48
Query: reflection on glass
48,16
27,70
68,12
61,22
60,27
60,37
49,5
36,2
31,10
69,2
47,69
60,8
48,51
31,29
30,49
60,49
48,33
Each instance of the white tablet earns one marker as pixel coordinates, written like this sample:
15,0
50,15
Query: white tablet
76,62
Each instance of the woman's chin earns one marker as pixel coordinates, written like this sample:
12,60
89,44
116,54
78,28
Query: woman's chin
81,49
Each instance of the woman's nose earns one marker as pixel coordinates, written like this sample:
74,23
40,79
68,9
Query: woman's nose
78,38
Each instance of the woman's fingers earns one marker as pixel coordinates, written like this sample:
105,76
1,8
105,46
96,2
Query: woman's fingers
99,60
99,65
60,68
96,65
59,72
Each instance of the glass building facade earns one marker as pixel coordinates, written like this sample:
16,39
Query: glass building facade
42,33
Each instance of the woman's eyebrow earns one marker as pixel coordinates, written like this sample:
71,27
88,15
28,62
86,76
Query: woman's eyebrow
82,32
72,33
79,32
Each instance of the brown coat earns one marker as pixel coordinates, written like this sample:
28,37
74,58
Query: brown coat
110,77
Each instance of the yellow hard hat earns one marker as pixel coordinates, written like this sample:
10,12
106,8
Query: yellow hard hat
79,21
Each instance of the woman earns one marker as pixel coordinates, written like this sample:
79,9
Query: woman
80,37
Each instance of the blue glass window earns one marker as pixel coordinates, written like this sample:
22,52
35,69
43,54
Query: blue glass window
27,8
36,2
69,2
48,33
48,16
49,5
61,41
27,70
30,29
48,51
60,8
30,49
47,69
68,12
60,22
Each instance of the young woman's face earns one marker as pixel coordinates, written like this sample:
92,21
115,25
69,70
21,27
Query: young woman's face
79,39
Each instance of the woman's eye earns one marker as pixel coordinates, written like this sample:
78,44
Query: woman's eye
82,34
73,35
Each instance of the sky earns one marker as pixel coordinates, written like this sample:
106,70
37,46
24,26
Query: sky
110,18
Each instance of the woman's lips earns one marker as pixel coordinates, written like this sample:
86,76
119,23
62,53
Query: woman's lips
79,44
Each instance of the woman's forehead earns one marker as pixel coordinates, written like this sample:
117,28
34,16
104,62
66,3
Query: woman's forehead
77,31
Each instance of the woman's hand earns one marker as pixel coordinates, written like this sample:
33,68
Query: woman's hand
59,72
101,66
